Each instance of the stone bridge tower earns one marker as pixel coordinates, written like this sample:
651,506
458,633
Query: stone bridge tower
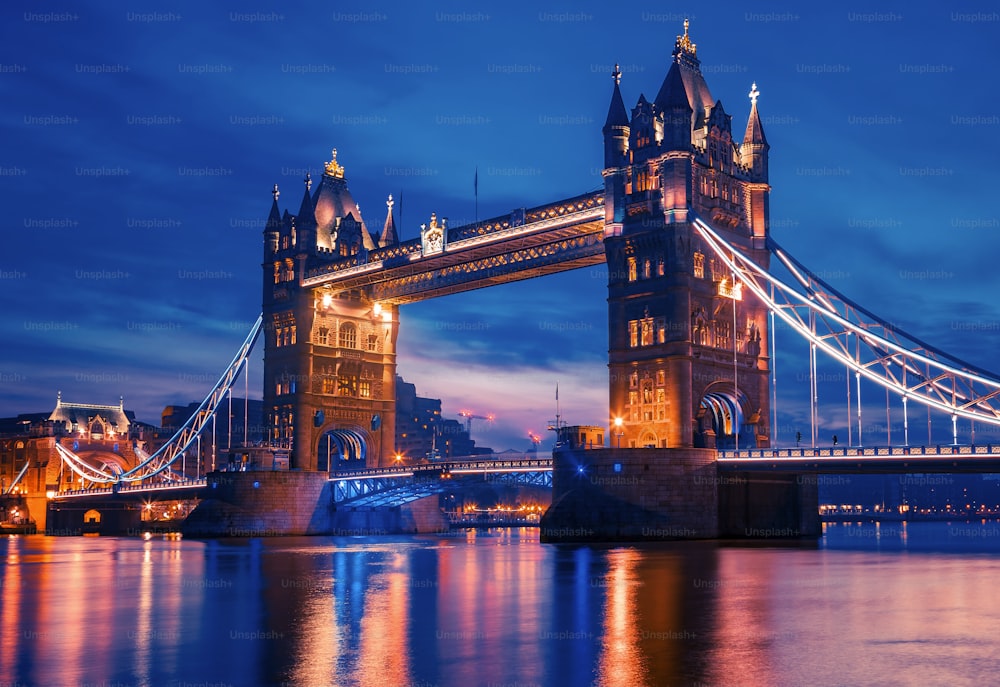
688,350
329,356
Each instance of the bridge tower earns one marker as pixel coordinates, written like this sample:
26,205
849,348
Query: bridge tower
688,351
329,356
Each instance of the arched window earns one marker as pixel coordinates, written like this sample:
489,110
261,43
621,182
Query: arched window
348,335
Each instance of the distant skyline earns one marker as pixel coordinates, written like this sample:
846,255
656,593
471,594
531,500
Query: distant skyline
141,146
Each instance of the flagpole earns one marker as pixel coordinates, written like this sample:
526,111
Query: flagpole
557,410
475,186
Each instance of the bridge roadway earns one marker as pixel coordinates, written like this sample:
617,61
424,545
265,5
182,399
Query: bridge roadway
531,468
864,460
362,486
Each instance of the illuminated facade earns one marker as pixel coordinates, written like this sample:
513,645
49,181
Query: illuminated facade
688,350
329,356
102,435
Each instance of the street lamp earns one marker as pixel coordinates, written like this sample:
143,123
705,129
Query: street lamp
619,432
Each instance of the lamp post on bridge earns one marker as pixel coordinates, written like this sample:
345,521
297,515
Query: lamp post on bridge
618,430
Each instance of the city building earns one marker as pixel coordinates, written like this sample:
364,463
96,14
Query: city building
421,431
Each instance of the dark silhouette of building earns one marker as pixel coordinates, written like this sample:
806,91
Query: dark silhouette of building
421,432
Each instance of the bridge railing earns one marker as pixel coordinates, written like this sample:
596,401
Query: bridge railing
514,465
860,452
125,488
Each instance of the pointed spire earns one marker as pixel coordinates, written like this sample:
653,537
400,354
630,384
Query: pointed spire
617,114
754,148
755,130
274,219
389,236
307,210
672,95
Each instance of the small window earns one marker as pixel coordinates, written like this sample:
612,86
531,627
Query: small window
699,265
372,342
348,335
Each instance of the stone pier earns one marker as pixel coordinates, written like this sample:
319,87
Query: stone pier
668,494
286,503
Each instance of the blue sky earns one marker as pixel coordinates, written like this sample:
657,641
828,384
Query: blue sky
141,143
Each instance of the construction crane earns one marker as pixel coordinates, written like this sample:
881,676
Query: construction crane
470,416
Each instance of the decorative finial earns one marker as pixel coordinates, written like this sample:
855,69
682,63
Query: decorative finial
276,193
617,74
753,94
309,181
334,168
684,42
389,203
58,398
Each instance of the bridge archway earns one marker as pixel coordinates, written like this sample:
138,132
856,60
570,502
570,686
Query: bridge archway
341,447
722,414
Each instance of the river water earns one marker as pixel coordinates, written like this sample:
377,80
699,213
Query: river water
890,604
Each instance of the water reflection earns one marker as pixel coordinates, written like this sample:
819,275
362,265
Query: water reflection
485,608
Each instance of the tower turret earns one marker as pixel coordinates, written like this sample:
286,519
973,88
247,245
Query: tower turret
643,137
305,222
673,105
616,127
753,150
272,228
389,236
719,139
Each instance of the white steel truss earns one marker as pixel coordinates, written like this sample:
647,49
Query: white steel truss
159,463
861,341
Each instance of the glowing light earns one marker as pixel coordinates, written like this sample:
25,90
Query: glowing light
50,494
618,422
377,309
327,300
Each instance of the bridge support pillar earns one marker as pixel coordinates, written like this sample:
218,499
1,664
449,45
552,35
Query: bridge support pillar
632,495
417,517
773,505
262,504
678,493
70,518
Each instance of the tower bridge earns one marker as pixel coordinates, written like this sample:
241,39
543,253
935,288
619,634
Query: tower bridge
688,352
682,223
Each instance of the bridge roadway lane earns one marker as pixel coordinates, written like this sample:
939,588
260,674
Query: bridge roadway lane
864,460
